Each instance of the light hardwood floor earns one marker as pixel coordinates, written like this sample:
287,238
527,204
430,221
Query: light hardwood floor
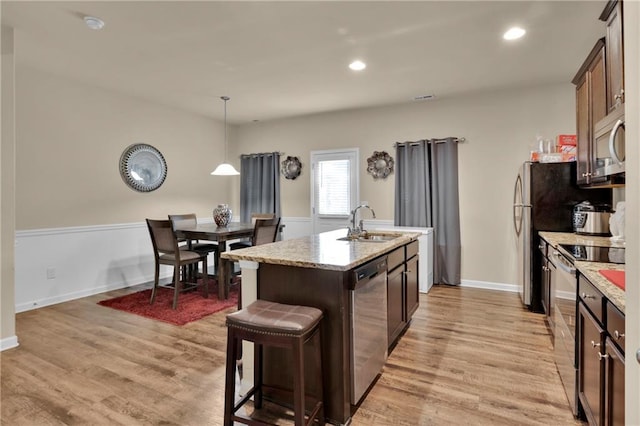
470,357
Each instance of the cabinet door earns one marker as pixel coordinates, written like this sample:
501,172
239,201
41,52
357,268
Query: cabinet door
598,106
591,106
590,366
395,304
582,132
615,58
411,287
614,382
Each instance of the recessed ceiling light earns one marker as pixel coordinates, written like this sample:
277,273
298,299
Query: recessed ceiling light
94,23
357,65
514,33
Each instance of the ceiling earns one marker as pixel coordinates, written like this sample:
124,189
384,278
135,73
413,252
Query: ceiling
283,59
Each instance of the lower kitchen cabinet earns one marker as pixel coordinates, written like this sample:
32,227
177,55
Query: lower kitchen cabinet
395,311
411,280
614,385
600,357
590,369
402,289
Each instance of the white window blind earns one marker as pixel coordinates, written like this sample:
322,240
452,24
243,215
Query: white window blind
333,187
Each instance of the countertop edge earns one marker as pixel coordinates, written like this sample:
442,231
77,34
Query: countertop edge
274,258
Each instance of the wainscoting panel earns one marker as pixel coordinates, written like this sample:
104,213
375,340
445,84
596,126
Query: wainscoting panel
62,264
57,265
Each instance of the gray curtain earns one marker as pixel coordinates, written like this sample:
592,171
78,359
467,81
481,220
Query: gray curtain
426,195
259,184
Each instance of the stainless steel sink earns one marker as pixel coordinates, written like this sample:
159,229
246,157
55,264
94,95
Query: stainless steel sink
372,238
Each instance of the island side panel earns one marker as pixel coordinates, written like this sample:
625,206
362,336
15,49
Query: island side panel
325,290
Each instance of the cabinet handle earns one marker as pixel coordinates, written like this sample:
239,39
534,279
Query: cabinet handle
602,356
594,344
618,335
587,296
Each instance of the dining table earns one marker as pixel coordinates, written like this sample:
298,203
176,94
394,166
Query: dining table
220,234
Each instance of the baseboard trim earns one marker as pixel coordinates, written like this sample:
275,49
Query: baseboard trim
8,343
486,285
41,303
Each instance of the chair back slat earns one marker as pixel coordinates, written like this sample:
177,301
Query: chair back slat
265,231
162,237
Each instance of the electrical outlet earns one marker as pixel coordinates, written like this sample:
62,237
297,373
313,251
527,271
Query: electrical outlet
51,273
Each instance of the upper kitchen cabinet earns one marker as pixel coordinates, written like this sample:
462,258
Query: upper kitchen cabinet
614,53
600,107
591,106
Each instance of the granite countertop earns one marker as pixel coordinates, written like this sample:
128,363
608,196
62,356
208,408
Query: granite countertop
612,292
321,251
555,238
590,269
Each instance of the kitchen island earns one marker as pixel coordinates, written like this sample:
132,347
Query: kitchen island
317,271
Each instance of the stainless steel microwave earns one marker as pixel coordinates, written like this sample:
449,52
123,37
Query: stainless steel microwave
609,144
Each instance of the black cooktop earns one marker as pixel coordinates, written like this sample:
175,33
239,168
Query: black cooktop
594,253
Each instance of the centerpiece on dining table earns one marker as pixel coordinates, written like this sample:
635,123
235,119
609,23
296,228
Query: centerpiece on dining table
222,215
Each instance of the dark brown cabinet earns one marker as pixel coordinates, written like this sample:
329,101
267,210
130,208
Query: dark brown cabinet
395,308
402,289
600,106
411,279
614,385
612,15
601,328
591,106
590,370
614,367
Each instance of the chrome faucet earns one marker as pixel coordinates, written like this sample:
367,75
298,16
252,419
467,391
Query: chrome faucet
356,231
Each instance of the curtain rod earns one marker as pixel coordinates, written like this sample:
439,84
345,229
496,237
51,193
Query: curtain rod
262,153
458,140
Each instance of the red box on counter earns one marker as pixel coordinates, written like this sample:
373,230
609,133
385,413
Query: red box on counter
566,140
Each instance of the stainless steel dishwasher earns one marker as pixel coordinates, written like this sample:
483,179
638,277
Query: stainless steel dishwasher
368,317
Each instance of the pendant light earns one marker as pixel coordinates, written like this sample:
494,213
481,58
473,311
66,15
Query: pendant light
225,169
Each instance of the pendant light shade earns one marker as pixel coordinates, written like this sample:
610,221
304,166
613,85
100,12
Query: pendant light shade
225,169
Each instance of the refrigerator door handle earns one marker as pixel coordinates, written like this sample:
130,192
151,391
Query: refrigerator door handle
518,205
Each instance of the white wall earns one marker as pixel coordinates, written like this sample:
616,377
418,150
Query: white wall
500,129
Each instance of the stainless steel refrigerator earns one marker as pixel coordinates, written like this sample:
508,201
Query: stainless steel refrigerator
543,199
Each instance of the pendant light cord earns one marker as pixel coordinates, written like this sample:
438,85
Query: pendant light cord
225,99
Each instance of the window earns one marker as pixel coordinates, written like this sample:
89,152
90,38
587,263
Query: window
333,187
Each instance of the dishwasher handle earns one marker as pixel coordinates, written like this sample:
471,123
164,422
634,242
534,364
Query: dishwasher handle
367,272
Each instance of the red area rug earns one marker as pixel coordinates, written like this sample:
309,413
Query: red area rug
192,305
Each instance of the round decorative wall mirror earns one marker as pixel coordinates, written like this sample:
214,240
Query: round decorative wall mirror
143,167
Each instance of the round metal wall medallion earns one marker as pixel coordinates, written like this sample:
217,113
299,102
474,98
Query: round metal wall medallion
143,167
291,167
380,164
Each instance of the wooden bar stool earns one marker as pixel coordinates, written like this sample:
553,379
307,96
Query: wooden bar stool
273,324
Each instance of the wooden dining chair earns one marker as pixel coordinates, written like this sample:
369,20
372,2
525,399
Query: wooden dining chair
247,242
190,220
167,252
261,220
264,231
